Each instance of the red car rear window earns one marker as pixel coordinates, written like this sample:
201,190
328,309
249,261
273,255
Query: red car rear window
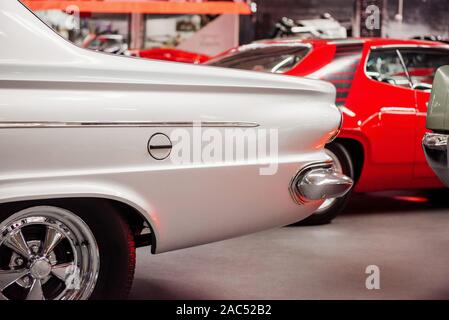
264,58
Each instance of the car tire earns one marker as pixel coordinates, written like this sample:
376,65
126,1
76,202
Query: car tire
76,249
332,207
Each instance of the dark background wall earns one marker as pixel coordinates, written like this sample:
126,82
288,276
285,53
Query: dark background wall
429,16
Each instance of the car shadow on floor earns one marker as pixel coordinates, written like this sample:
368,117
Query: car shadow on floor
157,289
397,201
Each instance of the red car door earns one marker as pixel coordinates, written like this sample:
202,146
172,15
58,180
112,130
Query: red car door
422,64
390,113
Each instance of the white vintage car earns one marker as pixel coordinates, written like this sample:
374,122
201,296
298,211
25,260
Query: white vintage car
89,170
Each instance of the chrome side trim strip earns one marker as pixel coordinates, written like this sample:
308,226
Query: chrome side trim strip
347,41
411,46
123,124
398,110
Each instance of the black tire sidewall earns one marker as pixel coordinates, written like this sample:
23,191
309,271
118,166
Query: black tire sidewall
117,257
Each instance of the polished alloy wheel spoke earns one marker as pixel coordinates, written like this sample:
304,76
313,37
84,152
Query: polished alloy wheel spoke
35,292
8,277
16,242
62,270
50,245
52,238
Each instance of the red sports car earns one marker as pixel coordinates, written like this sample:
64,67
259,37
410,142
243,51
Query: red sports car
383,86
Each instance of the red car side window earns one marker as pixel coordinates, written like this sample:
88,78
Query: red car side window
423,63
385,65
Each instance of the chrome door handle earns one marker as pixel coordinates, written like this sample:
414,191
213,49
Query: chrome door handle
396,110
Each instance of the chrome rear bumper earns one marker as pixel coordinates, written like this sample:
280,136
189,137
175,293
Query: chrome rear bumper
435,149
319,182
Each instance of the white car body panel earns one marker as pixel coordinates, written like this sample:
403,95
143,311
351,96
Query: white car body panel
45,81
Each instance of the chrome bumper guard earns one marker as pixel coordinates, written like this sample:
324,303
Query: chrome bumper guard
319,182
435,149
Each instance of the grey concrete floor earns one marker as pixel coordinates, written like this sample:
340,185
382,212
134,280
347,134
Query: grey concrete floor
406,236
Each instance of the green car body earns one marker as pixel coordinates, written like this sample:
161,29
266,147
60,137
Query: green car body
435,143
438,110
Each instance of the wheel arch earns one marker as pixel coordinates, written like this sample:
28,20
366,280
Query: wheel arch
357,152
134,215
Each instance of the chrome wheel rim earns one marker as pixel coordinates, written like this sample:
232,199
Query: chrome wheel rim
47,253
338,168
